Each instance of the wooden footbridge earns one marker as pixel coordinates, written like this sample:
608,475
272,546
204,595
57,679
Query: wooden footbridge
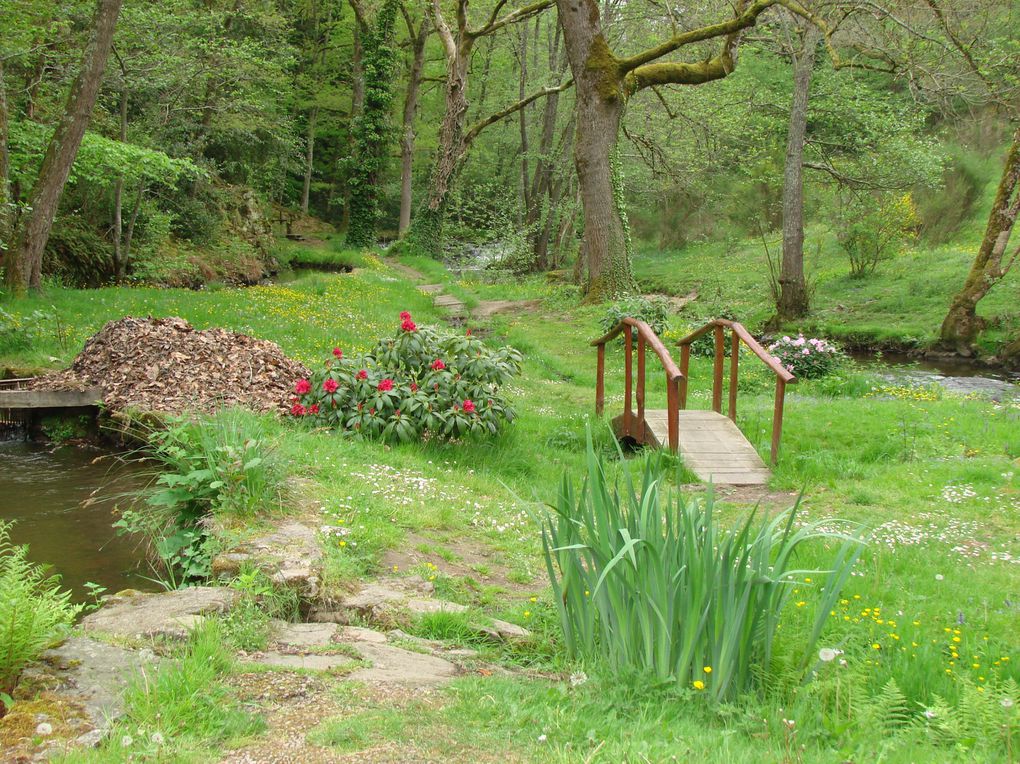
20,405
710,443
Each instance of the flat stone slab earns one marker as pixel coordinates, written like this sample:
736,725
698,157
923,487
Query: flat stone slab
302,635
308,661
394,665
172,614
290,555
93,673
431,288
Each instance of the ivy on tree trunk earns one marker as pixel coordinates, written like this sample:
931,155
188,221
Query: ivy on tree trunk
370,129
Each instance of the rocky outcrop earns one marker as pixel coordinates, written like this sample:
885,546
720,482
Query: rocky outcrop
290,555
171,615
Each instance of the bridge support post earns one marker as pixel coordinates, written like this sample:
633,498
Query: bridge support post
720,352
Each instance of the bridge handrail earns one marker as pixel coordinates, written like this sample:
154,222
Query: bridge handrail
784,376
752,344
634,425
651,339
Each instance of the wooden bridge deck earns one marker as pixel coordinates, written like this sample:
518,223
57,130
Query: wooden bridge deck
712,447
50,399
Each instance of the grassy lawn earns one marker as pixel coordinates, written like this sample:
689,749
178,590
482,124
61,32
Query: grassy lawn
928,621
903,303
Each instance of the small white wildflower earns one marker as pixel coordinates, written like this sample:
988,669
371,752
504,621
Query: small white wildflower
842,662
127,741
789,723
929,714
1007,703
157,738
826,654
578,678
44,729
541,738
939,577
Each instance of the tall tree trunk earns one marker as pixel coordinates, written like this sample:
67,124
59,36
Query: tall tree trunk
26,267
600,104
962,324
306,190
357,109
407,137
793,295
371,131
119,264
6,198
522,87
426,232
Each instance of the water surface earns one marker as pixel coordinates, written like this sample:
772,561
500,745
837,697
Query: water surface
46,489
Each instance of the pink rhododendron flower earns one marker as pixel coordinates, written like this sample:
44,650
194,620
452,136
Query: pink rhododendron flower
297,410
405,316
386,385
438,365
414,387
302,386
469,407
313,409
329,385
362,374
338,353
409,325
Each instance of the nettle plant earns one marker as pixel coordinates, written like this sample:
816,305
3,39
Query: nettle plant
420,383
807,358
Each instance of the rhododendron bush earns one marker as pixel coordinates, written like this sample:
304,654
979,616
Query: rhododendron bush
807,358
419,382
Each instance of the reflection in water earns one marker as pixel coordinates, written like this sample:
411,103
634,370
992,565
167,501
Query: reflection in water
44,489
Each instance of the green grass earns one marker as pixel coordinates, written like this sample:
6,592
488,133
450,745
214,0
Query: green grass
325,256
933,476
903,304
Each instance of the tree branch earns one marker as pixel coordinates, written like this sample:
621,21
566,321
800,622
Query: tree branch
443,29
481,124
521,14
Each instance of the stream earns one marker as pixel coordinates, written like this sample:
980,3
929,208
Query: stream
45,490
955,377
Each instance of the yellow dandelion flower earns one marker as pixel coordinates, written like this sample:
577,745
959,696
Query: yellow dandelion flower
698,684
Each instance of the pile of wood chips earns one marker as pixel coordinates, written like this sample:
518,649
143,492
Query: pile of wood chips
165,365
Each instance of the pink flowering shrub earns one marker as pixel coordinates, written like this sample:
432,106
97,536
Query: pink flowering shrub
807,358
417,383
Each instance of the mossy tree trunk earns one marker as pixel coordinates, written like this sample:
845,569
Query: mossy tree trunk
6,197
418,39
793,293
962,325
24,266
371,128
425,234
604,83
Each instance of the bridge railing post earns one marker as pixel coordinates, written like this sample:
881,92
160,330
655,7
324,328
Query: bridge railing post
734,360
720,352
777,418
685,365
628,382
673,394
640,435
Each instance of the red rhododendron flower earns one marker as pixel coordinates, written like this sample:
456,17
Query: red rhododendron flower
467,333
297,410
386,385
405,316
313,409
414,387
438,365
338,352
302,386
409,325
329,385
362,374
469,407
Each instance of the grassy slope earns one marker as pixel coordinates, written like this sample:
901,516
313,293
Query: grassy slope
892,462
902,304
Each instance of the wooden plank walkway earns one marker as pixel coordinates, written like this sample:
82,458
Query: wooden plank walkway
712,447
50,399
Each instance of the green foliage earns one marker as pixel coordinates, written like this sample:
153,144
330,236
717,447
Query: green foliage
34,611
370,129
873,230
19,333
247,625
419,382
807,358
179,709
649,584
225,464
654,311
